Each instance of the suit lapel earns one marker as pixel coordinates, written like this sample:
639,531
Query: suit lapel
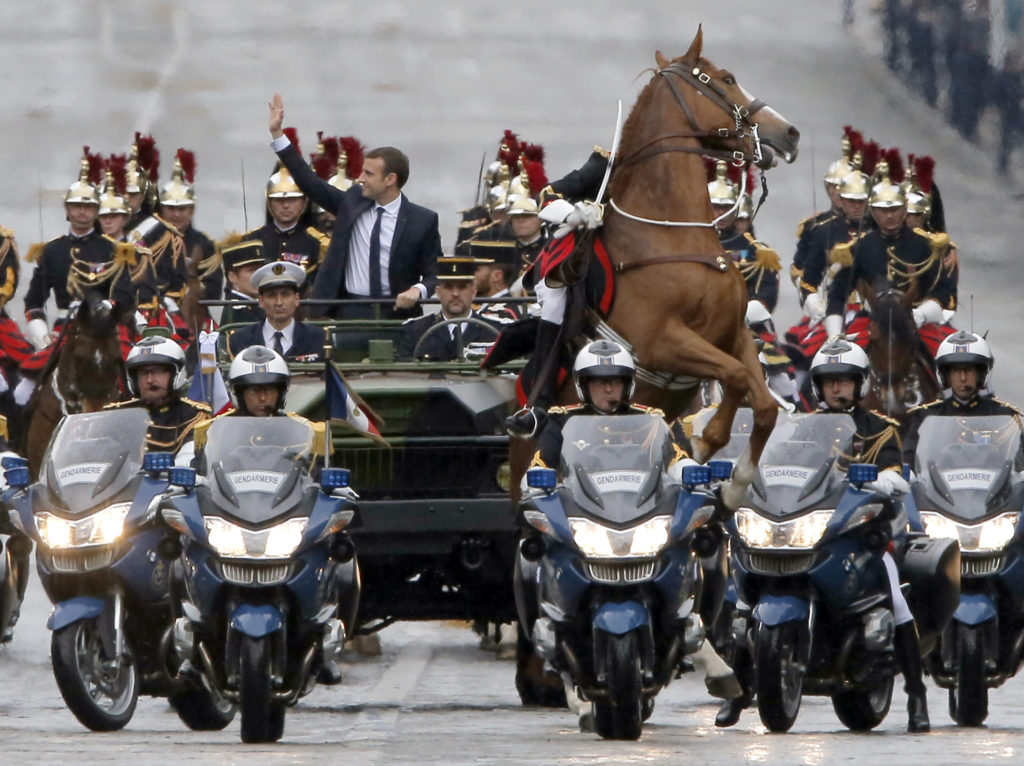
403,216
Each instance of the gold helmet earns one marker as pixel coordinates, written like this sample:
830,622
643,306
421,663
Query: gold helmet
112,203
497,200
722,191
340,179
281,185
179,191
523,206
855,186
885,193
143,165
136,179
520,185
842,167
746,207
837,171
83,191
918,185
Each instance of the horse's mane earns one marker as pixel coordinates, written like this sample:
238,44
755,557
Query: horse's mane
635,114
892,313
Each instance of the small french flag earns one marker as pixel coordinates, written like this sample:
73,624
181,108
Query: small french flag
207,383
345,407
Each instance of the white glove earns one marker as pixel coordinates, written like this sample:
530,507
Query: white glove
556,211
814,307
170,304
833,326
38,333
757,313
140,322
675,471
584,215
947,315
888,483
929,312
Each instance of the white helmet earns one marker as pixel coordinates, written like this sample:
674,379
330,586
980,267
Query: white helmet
964,348
603,359
157,350
841,357
257,366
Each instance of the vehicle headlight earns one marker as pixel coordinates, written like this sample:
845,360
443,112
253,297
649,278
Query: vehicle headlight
101,528
991,535
229,540
598,541
804,532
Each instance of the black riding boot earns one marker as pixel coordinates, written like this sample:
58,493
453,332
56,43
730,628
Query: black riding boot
729,711
528,421
908,651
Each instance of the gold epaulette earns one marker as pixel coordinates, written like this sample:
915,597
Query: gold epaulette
210,265
230,240
322,238
765,256
35,252
841,254
649,410
125,253
809,288
606,153
168,225
924,406
939,241
1017,412
120,405
795,273
200,429
201,406
5,232
546,195
559,410
3,428
890,421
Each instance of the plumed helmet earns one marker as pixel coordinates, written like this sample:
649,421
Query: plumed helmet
841,357
837,171
83,191
281,185
111,202
746,207
721,190
157,350
257,366
603,359
855,186
180,191
964,348
497,200
886,193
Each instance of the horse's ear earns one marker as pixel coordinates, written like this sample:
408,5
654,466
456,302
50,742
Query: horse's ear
695,47
661,61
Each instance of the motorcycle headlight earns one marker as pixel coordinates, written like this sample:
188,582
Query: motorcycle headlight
229,540
598,541
990,535
804,532
101,528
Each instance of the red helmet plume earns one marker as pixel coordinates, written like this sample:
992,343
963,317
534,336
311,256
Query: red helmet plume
117,166
148,155
924,172
869,157
354,152
188,164
897,172
95,166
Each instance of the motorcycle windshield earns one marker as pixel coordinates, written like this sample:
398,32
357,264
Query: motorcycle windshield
259,468
739,433
613,465
93,456
804,459
962,463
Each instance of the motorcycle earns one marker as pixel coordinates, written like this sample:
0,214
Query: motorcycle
268,584
102,559
807,556
15,549
609,583
970,488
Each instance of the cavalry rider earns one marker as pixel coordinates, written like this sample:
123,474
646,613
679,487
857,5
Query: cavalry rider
895,256
157,380
19,546
279,285
964,361
455,289
840,374
14,348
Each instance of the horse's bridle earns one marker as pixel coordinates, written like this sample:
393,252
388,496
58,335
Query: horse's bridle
744,129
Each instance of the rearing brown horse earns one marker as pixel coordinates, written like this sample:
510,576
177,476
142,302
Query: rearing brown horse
680,303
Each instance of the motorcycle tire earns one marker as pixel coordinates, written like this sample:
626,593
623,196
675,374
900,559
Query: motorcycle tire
262,717
968,700
101,693
863,709
780,677
536,687
619,715
200,709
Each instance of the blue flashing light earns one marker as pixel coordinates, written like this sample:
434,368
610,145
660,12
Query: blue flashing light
183,477
17,477
154,462
862,473
541,478
720,469
334,478
13,461
696,474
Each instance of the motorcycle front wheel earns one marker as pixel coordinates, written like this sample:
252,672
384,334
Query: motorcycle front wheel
200,709
780,675
101,692
863,709
262,717
619,715
968,700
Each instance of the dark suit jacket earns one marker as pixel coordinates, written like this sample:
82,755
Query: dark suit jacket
414,250
307,340
440,346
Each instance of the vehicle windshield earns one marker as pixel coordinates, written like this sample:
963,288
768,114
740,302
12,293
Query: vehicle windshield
613,465
259,468
966,460
804,456
92,456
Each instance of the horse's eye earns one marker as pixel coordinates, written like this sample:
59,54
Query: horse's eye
729,80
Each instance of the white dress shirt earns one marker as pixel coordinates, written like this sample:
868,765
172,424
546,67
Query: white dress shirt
287,335
357,270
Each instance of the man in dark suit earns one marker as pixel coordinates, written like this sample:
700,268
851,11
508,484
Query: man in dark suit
456,290
279,284
382,246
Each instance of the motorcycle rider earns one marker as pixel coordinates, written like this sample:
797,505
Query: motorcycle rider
964,362
840,374
19,544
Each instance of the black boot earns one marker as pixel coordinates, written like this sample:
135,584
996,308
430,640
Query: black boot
329,673
743,667
908,652
529,420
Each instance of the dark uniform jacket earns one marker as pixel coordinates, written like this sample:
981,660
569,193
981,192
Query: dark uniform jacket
549,444
977,406
307,341
758,264
67,265
821,242
415,247
911,258
200,252
168,252
440,346
303,246
877,439
171,425
804,230
496,311
246,310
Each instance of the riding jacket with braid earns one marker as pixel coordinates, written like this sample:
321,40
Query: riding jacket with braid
877,439
758,264
822,241
804,230
976,406
170,425
304,246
